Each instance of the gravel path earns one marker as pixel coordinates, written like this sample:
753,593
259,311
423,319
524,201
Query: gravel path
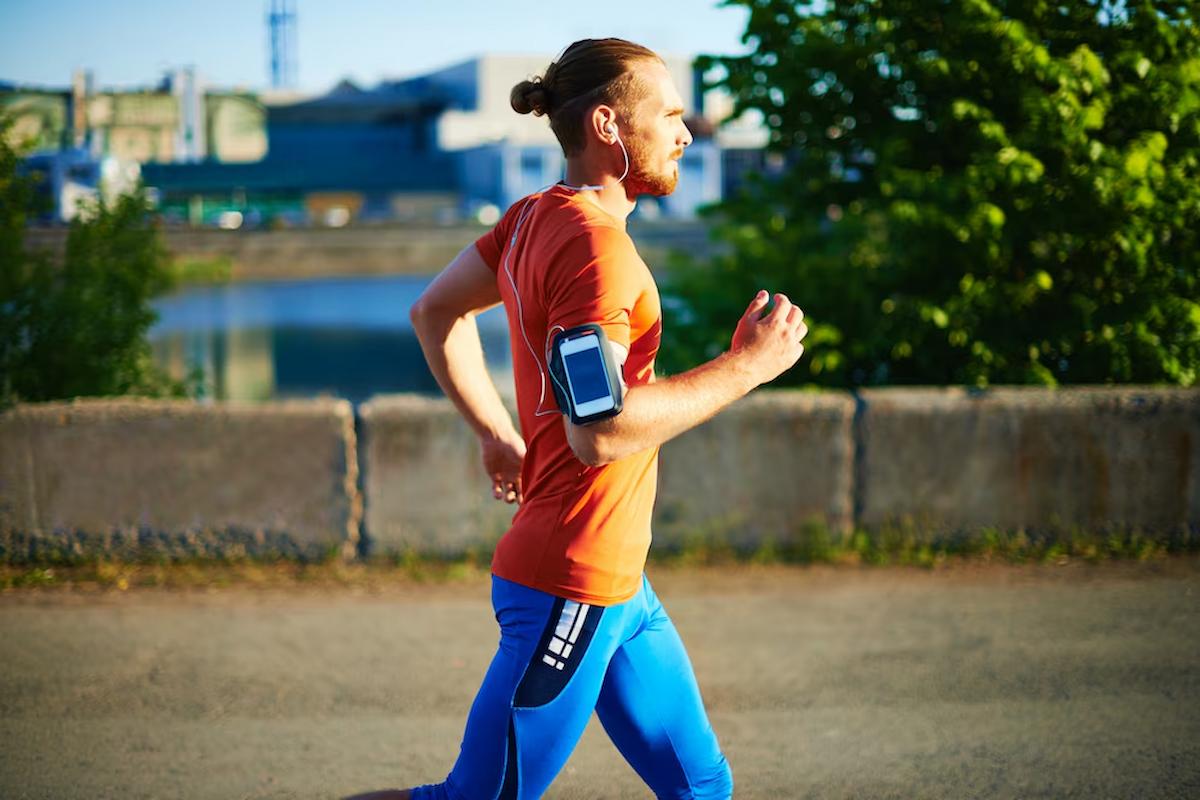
966,681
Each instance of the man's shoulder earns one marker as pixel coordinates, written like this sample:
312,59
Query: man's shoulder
599,237
573,218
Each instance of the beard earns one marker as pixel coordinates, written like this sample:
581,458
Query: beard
641,180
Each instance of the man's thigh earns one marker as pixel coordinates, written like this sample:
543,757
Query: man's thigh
651,708
537,696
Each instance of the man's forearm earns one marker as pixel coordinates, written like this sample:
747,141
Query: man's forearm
455,356
654,413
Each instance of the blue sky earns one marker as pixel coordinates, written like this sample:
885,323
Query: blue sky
132,42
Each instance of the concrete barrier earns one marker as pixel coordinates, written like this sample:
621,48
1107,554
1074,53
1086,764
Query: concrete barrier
764,468
424,482
769,464
179,477
129,476
1010,458
404,249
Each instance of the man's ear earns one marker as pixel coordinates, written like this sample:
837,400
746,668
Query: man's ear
602,117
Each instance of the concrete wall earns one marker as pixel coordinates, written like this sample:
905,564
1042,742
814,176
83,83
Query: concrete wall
180,477
384,250
771,463
136,475
423,478
766,466
1013,457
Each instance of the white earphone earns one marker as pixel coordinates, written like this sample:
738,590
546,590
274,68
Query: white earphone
525,212
610,128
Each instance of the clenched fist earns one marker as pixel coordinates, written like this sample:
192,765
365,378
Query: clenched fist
770,344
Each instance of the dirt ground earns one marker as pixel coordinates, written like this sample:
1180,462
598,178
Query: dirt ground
964,681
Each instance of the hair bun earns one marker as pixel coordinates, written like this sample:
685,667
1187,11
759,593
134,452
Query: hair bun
531,96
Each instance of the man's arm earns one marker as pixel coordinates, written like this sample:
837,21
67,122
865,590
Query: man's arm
443,318
654,413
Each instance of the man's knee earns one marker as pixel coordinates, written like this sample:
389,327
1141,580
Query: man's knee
716,785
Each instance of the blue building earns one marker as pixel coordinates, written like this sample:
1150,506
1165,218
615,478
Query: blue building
353,146
442,145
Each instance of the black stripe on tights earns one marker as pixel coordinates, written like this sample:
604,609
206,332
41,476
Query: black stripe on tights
508,790
549,670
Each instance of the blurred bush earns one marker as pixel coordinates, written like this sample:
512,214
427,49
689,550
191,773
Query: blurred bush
77,326
969,193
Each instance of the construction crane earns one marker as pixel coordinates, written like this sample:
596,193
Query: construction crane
281,25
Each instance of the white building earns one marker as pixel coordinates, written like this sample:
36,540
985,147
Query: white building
505,155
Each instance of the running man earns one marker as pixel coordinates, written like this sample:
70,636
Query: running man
581,628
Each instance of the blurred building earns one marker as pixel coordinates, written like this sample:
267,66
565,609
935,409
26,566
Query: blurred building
180,120
436,147
503,156
347,154
88,143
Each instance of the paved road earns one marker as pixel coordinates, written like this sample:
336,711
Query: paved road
1070,681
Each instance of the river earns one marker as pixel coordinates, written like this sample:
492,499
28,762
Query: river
346,337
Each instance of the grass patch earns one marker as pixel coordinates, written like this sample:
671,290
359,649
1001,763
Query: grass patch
218,574
811,543
202,269
911,545
147,546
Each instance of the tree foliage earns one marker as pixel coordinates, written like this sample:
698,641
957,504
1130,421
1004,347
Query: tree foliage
77,325
975,192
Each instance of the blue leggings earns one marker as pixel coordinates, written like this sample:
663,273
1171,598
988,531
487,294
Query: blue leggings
558,660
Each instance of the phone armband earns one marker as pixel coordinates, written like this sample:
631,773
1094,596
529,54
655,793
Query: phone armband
588,372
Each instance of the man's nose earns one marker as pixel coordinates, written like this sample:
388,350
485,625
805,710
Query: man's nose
687,136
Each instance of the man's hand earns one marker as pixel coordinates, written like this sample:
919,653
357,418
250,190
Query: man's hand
770,344
502,459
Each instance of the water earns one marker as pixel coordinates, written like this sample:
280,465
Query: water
344,337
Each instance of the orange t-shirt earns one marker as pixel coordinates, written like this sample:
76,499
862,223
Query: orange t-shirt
582,532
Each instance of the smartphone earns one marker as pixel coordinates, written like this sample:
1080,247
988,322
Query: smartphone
584,360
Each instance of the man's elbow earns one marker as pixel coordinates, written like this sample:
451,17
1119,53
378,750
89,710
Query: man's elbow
427,315
416,314
590,446
419,313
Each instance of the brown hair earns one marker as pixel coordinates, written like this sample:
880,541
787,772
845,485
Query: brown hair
590,71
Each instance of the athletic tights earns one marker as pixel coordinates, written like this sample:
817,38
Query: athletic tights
557,661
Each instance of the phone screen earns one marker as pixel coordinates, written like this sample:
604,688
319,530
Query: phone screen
587,379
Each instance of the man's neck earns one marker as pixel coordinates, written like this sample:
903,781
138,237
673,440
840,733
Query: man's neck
612,198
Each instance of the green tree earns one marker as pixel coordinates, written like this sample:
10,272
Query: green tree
77,325
975,192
